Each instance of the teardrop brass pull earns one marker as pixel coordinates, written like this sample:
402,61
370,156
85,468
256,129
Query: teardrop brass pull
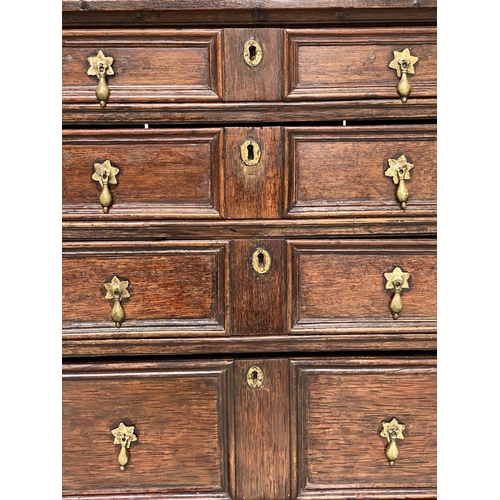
105,174
403,64
117,290
100,66
252,53
261,261
396,281
124,436
399,170
391,431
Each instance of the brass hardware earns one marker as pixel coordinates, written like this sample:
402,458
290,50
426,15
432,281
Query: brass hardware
250,152
396,281
255,377
252,53
100,66
105,174
403,64
391,431
117,290
399,170
261,261
124,436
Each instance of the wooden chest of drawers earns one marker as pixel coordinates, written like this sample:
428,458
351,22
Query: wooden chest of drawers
249,249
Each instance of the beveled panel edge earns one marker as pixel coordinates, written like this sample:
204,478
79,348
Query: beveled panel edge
211,38
396,36
221,369
294,325
293,134
351,364
216,326
170,211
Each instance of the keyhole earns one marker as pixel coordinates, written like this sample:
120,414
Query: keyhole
261,264
250,152
252,50
255,375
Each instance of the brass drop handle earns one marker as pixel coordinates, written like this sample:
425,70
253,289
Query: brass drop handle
403,63
105,174
397,281
124,435
391,431
399,170
100,66
117,290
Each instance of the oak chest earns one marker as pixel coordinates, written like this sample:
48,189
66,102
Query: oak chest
249,249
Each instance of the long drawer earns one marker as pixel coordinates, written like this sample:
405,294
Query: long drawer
152,297
270,427
236,173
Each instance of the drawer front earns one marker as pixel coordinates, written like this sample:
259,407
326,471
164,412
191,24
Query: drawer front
343,286
341,406
146,66
161,173
178,413
354,63
351,171
163,289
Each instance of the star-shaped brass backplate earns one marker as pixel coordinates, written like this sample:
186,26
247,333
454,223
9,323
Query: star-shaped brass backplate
403,61
106,172
392,430
124,435
399,169
116,289
398,279
100,65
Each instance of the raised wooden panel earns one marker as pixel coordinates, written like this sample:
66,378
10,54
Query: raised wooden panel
149,65
253,191
262,430
339,286
162,173
339,409
176,288
340,171
182,420
344,63
245,83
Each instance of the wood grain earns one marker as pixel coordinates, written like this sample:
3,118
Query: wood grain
341,404
340,171
262,431
180,414
149,65
162,173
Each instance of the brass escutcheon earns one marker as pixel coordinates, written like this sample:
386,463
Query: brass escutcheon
391,431
105,174
399,170
396,281
124,436
261,260
250,153
117,290
100,66
252,53
403,64
255,377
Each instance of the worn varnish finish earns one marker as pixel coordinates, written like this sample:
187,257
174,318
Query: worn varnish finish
176,286
162,173
340,405
187,217
182,415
